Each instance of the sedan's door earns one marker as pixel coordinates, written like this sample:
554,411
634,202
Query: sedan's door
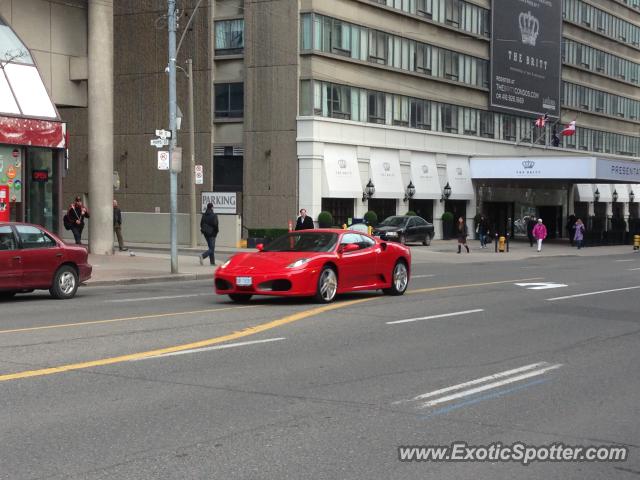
41,256
413,230
10,260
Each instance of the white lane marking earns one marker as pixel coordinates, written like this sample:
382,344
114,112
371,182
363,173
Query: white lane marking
442,315
592,293
541,285
215,347
470,383
166,297
630,260
490,386
633,269
422,276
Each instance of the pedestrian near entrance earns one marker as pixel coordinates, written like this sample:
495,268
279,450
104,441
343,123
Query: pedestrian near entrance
462,232
117,226
578,236
304,222
76,215
571,228
483,231
530,226
209,228
540,233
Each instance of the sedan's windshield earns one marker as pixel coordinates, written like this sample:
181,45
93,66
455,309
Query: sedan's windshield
393,222
303,242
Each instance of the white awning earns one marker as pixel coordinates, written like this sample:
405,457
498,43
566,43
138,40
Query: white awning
622,190
385,173
341,173
605,191
584,192
424,175
459,178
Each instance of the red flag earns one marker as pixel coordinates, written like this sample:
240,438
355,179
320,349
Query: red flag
540,122
570,129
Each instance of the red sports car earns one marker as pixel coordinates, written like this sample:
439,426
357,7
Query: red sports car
316,263
32,258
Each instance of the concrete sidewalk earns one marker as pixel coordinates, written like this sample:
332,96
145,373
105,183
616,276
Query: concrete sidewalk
147,263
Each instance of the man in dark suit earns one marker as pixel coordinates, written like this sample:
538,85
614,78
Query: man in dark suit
304,222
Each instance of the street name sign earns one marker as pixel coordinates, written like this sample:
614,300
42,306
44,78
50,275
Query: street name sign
159,142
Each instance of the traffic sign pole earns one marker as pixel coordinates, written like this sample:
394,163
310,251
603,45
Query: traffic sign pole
173,175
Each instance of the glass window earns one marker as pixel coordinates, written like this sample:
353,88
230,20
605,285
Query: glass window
229,37
378,47
229,102
227,173
11,48
376,111
7,239
7,101
29,90
348,238
33,237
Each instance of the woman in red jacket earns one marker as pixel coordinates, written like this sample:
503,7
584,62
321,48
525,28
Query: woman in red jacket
539,233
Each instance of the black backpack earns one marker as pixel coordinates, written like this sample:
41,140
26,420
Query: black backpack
67,222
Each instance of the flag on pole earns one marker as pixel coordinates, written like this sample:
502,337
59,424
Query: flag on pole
570,129
541,121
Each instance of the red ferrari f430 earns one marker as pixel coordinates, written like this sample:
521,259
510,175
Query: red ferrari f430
316,263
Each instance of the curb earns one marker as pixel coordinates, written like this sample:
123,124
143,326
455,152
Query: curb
159,279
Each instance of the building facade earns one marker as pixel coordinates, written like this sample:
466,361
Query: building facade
303,103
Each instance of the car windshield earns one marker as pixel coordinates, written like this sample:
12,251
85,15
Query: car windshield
303,242
393,222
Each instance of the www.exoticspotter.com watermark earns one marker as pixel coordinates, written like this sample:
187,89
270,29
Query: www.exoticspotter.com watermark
515,452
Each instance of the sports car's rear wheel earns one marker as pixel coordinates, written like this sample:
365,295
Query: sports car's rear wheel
399,279
6,295
240,297
327,286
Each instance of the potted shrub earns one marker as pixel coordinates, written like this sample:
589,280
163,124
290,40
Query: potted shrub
325,220
411,213
371,218
447,225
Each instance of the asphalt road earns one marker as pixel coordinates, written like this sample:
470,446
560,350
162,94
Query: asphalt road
167,381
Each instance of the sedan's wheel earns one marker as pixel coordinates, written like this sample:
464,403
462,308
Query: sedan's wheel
402,239
6,295
65,283
427,240
240,297
399,279
327,286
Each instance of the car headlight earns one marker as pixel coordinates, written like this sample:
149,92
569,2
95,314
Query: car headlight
224,265
298,263
392,234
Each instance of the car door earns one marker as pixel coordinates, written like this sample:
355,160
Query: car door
355,269
40,254
10,260
421,229
412,230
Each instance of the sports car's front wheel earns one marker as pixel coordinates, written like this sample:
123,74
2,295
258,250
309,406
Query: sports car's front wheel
327,286
399,279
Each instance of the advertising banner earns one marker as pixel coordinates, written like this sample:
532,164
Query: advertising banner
526,39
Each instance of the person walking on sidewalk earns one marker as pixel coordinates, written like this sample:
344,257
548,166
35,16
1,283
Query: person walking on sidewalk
578,236
117,226
483,231
76,215
462,232
209,228
530,226
539,233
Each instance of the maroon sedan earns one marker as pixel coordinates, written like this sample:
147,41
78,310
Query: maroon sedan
32,258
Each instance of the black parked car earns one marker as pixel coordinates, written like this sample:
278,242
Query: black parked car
405,229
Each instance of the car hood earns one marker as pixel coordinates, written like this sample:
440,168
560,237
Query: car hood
266,261
389,228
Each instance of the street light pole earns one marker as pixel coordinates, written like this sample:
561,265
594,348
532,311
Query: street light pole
173,173
192,148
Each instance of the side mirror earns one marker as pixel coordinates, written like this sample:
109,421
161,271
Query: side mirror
349,247
260,247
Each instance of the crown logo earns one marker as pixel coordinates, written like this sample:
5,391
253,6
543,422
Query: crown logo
528,164
386,166
459,171
529,28
342,163
425,169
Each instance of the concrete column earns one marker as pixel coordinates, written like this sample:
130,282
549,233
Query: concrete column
100,113
309,186
626,214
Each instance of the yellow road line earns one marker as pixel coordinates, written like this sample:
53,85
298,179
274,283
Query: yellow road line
225,338
450,287
124,319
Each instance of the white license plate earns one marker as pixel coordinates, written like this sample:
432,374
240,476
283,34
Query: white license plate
243,281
